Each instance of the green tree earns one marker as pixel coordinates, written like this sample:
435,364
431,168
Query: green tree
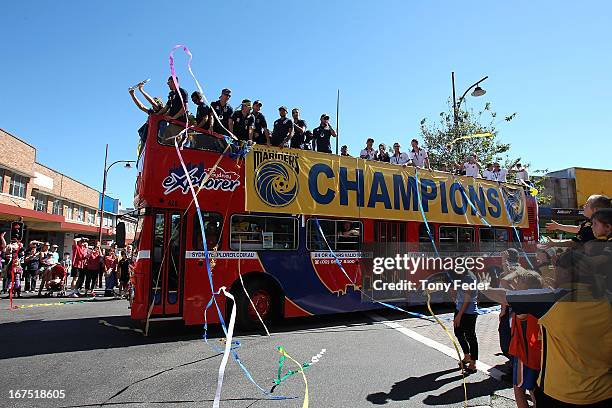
449,145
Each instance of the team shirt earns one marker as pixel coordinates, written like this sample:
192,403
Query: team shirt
401,158
522,175
203,111
321,137
174,103
260,126
576,342
471,169
500,175
297,140
242,125
585,233
282,129
368,154
383,157
488,175
224,113
418,158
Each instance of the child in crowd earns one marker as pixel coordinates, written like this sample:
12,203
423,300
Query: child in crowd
525,345
584,232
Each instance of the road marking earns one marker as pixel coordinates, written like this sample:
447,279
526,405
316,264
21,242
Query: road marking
480,366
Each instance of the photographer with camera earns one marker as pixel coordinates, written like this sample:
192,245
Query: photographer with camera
322,135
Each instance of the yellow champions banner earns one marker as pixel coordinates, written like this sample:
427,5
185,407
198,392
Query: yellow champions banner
293,181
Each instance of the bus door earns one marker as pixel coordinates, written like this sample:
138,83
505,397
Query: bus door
167,266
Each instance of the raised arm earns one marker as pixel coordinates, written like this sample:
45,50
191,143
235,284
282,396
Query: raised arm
147,96
137,102
555,226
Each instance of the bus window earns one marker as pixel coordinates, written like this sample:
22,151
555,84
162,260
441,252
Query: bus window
465,235
252,232
501,235
423,235
487,235
212,228
342,235
447,236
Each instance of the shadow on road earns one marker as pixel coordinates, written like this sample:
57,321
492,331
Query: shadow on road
412,386
37,336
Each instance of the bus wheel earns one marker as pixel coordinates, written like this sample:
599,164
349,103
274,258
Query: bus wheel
265,301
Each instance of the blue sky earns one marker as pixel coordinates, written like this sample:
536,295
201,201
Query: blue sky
67,66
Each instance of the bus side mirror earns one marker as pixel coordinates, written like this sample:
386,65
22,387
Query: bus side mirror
120,234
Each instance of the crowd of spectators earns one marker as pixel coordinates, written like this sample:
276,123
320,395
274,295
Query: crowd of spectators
556,319
39,267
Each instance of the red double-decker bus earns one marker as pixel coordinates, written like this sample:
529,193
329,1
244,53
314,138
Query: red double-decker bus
262,215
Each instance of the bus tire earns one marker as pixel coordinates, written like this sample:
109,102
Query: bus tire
265,299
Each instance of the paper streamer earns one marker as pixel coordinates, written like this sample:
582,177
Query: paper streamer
126,328
474,136
284,353
244,288
279,379
418,189
213,300
228,346
452,339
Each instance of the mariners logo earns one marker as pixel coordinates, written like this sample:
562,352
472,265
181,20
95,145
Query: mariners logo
514,204
276,183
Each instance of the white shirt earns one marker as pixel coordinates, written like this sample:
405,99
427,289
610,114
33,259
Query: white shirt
500,175
368,154
402,158
471,169
522,175
488,175
418,158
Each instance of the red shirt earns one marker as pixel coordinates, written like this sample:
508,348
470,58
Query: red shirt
110,262
94,259
525,342
79,254
58,271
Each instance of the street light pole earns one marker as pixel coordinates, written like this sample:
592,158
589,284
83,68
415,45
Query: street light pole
457,105
102,199
106,169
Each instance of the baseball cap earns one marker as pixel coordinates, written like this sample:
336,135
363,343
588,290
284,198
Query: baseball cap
324,115
283,107
257,102
226,91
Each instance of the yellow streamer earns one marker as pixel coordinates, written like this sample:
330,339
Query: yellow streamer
104,322
282,351
450,336
474,136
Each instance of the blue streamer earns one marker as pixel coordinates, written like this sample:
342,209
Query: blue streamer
516,234
418,189
337,261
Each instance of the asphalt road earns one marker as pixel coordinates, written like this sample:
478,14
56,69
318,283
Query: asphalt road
366,363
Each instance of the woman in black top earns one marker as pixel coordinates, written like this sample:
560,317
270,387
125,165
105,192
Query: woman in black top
123,267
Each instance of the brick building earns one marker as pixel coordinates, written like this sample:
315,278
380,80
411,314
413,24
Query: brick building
54,206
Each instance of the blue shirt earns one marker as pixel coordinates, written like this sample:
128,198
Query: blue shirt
473,304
